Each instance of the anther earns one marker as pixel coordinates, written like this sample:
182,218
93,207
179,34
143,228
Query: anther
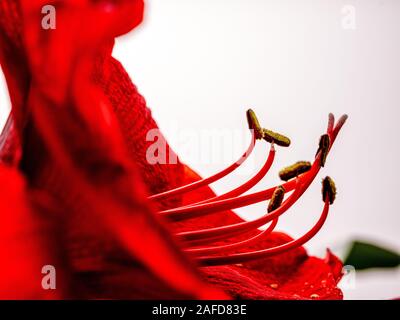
328,189
254,124
324,145
276,138
276,199
294,170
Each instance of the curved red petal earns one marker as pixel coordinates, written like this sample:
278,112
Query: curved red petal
73,150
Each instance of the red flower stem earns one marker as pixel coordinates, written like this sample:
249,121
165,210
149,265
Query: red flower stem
247,185
234,246
265,253
206,181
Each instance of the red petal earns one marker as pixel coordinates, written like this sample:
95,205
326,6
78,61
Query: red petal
136,121
73,150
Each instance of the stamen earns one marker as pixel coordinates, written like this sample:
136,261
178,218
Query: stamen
324,144
277,138
209,235
276,208
254,124
276,199
240,258
294,170
265,253
183,213
328,189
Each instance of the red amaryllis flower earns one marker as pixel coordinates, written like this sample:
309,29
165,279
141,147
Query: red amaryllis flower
78,192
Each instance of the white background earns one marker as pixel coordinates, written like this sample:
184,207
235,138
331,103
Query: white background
201,64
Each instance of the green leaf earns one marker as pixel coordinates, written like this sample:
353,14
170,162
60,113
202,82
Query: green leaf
363,255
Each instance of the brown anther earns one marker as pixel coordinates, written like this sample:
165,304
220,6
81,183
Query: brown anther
277,138
254,124
328,189
276,199
324,145
294,170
